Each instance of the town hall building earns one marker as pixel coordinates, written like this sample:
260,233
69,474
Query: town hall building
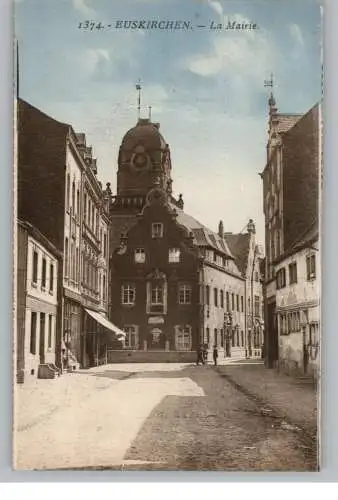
174,283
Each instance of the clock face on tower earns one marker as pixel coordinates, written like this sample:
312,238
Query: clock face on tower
140,161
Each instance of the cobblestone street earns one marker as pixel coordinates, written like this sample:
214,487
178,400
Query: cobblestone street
161,417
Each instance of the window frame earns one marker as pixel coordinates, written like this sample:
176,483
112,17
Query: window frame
32,339
293,278
51,277
157,230
186,289
131,331
183,331
139,251
128,291
177,255
215,297
311,267
43,273
35,266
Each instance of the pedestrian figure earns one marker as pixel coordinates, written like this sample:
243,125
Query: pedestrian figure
205,353
199,355
215,354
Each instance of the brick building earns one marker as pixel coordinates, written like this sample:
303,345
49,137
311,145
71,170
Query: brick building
59,193
174,283
290,199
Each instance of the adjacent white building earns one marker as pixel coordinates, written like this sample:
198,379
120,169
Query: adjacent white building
298,305
37,301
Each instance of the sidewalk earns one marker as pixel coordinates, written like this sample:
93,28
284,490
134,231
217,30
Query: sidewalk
294,399
37,399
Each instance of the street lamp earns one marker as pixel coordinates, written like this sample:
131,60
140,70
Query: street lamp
228,333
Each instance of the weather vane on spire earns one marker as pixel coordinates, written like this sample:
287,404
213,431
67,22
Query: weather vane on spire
139,88
269,83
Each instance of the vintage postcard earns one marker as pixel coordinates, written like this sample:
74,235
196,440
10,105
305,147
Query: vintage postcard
167,234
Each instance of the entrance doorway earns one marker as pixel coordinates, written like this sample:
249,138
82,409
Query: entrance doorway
156,339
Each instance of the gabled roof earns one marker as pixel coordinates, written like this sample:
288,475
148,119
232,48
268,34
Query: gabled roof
286,121
203,236
239,245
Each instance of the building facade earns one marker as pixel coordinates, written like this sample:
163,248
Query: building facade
174,283
59,193
249,255
298,305
290,200
36,304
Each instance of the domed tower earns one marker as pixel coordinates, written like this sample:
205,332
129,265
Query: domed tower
144,161
143,164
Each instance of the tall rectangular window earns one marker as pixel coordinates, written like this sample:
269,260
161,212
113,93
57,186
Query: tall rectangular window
227,301
237,303
183,338
128,294
104,245
242,304
33,334
66,258
44,273
215,297
293,273
42,328
157,230
174,255
257,306
233,301
131,338
67,191
50,330
35,267
104,288
140,255
184,294
222,298
51,278
157,294
311,267
215,336
207,295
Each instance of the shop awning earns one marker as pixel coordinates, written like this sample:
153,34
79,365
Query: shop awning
106,323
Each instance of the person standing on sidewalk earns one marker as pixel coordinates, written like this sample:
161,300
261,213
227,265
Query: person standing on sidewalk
199,354
215,354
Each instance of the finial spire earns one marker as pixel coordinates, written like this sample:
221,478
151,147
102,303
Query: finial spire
269,83
138,88
149,113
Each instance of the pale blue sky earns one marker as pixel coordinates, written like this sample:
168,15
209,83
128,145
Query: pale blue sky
205,87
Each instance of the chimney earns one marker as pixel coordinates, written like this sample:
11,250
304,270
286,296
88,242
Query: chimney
220,229
251,227
180,202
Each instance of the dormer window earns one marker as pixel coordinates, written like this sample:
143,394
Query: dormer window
174,255
140,256
157,230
